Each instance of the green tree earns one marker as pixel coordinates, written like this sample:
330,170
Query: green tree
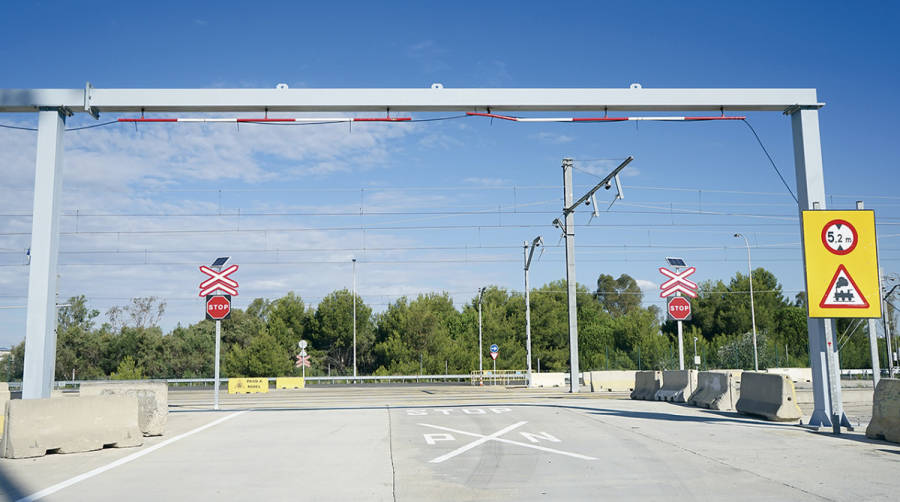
264,357
332,331
618,296
128,369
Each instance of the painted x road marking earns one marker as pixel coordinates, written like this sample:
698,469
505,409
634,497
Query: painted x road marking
494,437
218,280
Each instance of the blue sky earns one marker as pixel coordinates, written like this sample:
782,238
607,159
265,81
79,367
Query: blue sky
297,189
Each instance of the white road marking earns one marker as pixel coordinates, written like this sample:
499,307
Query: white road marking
124,460
495,437
455,411
481,439
441,436
536,437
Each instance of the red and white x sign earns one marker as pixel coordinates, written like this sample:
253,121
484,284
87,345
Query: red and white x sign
218,280
678,283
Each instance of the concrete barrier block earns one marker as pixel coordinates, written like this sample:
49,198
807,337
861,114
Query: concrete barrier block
4,398
768,395
36,426
796,374
548,379
289,383
248,385
717,390
612,381
646,384
152,397
677,386
885,422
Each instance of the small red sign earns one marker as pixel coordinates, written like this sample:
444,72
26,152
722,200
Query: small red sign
679,308
218,307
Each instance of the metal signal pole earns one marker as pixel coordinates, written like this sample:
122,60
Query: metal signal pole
568,228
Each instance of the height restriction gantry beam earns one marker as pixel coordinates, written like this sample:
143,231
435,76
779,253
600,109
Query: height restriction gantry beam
92,99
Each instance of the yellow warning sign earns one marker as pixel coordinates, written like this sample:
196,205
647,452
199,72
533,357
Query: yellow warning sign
248,385
841,264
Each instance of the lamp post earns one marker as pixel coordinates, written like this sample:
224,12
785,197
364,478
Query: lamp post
354,319
752,311
528,255
480,364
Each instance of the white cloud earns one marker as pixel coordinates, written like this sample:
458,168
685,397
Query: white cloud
646,285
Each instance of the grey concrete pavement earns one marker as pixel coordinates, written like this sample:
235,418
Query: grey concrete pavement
464,443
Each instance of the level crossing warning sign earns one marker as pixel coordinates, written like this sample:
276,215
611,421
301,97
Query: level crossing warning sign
841,264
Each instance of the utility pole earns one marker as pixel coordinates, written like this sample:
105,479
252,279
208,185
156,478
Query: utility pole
354,320
568,228
873,340
528,255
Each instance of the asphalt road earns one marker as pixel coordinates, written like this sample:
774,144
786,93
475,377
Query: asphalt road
462,443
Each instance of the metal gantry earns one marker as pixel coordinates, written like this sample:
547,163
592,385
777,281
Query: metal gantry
54,105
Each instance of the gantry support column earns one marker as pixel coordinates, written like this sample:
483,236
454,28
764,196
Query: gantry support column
822,348
40,325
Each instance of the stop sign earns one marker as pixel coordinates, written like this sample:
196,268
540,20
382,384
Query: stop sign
218,307
679,308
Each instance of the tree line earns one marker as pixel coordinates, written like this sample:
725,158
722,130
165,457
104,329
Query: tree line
429,335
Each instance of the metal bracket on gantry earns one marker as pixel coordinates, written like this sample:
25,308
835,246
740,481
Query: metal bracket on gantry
93,111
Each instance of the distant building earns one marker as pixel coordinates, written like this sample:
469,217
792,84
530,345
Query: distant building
4,351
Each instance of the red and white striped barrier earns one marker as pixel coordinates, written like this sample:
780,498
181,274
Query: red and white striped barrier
312,120
599,119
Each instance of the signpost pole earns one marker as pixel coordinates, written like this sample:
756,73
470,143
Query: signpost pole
216,384
680,348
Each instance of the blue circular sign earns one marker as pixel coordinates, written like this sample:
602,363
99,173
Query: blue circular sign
495,348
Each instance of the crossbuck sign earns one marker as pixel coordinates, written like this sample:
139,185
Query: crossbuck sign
678,283
218,280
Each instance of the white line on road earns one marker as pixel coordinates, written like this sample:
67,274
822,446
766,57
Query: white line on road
495,437
124,460
473,444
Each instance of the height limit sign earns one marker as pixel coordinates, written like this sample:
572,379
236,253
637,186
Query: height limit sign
841,264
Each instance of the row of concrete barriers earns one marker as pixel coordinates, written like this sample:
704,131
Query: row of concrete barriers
103,414
768,395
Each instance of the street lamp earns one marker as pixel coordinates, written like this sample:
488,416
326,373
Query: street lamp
528,255
480,366
354,318
752,311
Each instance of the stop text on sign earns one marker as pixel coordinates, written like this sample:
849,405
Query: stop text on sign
679,308
218,307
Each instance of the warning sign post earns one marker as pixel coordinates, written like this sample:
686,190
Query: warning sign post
841,264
